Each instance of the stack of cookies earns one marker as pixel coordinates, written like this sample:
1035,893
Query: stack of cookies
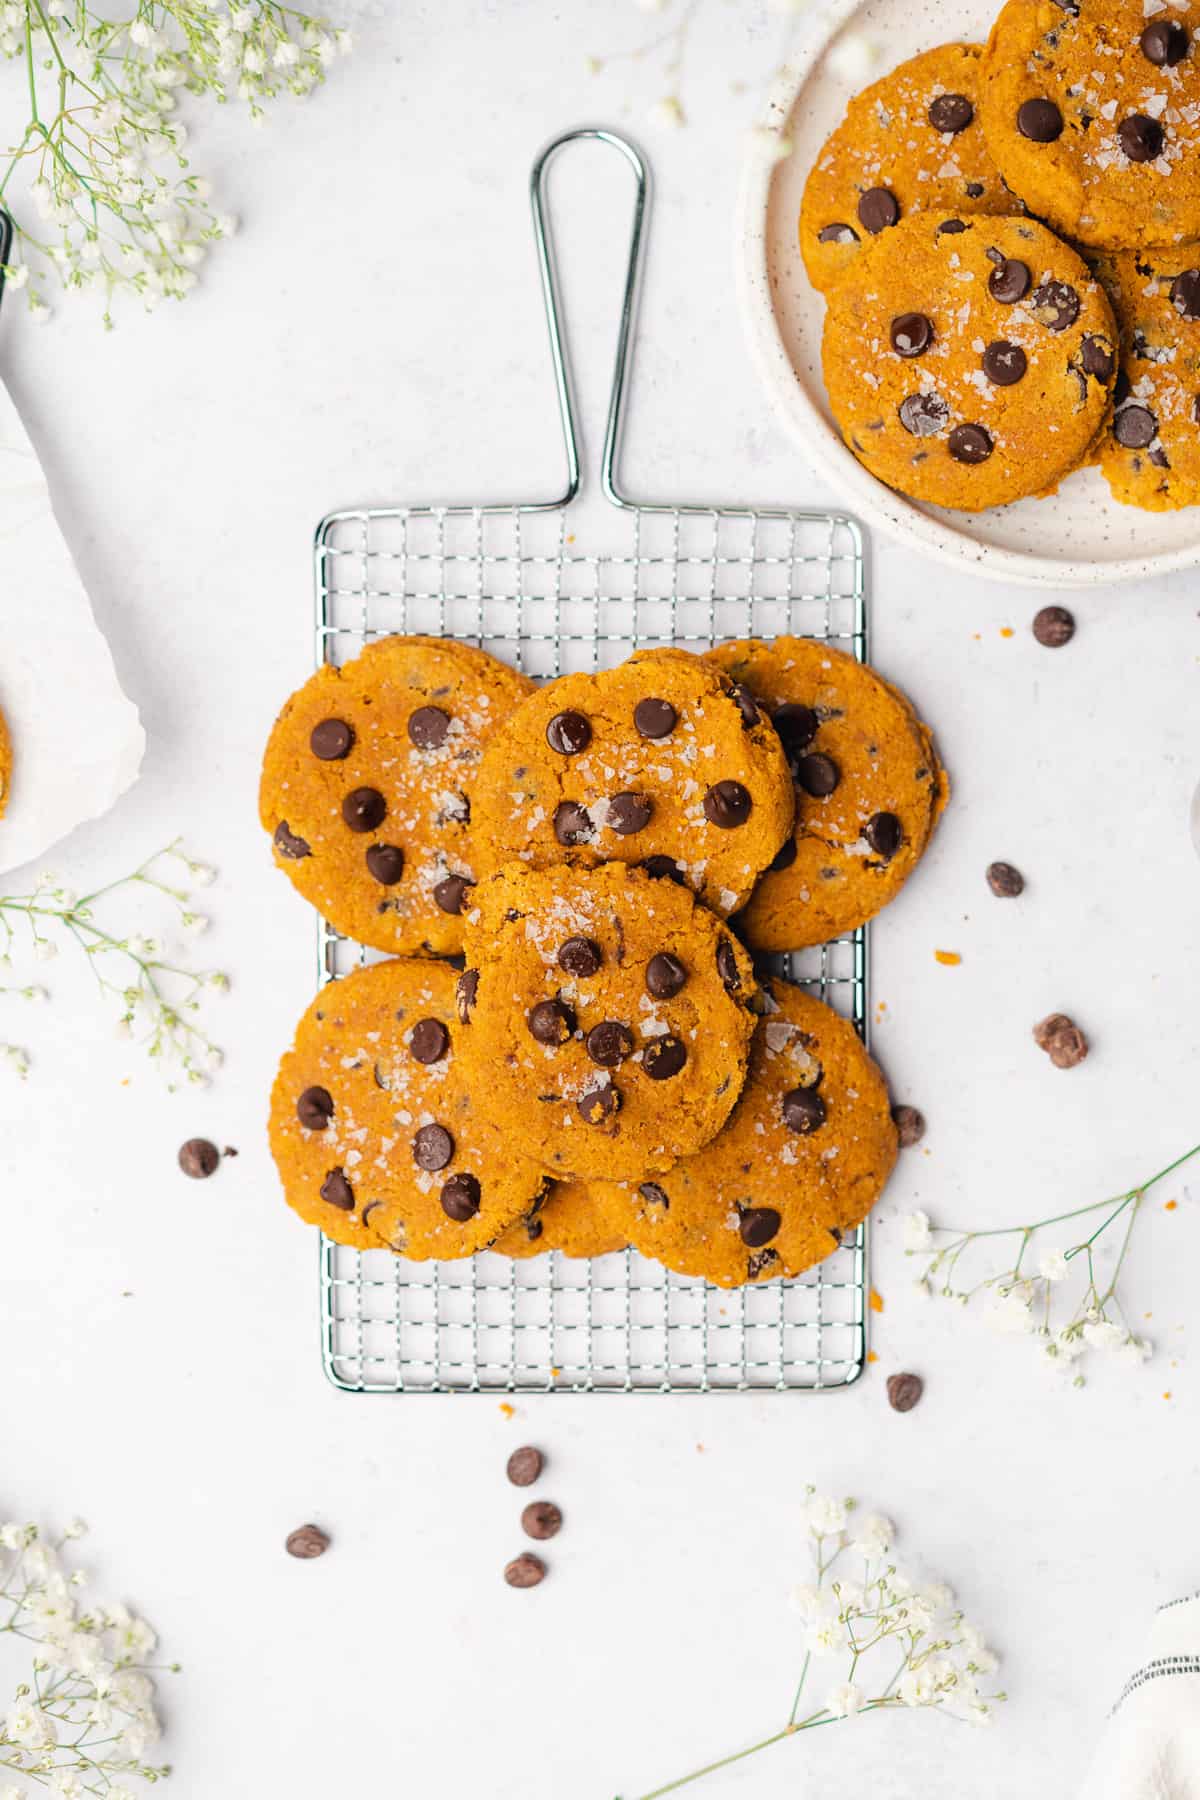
569,1046
1008,240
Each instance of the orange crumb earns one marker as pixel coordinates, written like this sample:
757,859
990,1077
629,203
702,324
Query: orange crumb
510,1412
876,1301
977,635
871,1356
1167,1395
700,1447
570,537
1007,631
555,1372
1170,1206
949,959
125,1081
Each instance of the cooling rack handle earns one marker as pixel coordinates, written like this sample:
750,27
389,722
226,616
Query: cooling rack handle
554,309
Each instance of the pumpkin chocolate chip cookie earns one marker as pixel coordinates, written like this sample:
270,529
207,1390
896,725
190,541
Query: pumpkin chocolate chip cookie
374,1127
660,762
803,1158
909,143
869,789
607,1013
367,787
570,1219
1090,109
973,367
1151,450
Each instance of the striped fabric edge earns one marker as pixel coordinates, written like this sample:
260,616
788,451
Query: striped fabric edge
1154,1671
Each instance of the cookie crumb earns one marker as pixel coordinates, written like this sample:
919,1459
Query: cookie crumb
875,1300
949,959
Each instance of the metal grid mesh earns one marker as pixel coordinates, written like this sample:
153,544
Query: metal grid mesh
518,582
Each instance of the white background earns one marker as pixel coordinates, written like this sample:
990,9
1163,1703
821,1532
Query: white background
376,334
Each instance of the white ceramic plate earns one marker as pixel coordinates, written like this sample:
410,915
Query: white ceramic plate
1079,537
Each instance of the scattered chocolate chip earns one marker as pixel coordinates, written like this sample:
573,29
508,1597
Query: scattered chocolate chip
1009,281
663,868
599,1103
1004,363
364,809
335,1190
198,1158
970,444
1185,294
758,1225
911,334
451,893
551,1022
727,804
385,862
837,233
878,209
525,1571
569,733
1040,121
665,975
432,1147
663,1057
572,823
288,844
541,1519
427,727
910,1125
1054,626
975,190
1005,881
883,832
1135,427
609,1043
818,774
1055,304
314,1108
655,718
785,856
1062,1040
746,704
1140,137
1164,43
429,1040
924,415
465,990
803,1110
460,1198
1096,358
797,726
306,1542
629,813
524,1466
331,740
654,1195
579,956
903,1391
727,967
951,112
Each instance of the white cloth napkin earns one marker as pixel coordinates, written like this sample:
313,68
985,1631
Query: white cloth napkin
1150,1748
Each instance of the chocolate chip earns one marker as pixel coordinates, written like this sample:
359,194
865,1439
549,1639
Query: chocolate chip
551,1022
903,1391
198,1158
427,727
663,868
385,862
429,1040
336,1191
331,740
525,1571
288,844
1005,881
655,718
727,967
364,809
579,956
924,415
665,975
803,1110
785,856
1062,1040
524,1466
878,209
314,1108
609,1043
1055,304
1009,281
664,1057
1135,427
970,444
797,726
572,823
1140,137
1122,390
432,1147
837,233
1185,294
1096,358
460,1197
1164,43
629,813
465,990
1054,626
569,733
1039,120
758,1225
951,112
1004,363
818,774
975,190
654,1195
1159,457
727,804
541,1519
451,892
911,334
306,1542
910,1125
760,1262
746,704
599,1103
883,833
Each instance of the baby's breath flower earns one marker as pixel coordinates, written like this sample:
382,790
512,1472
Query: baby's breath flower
825,1516
917,1235
668,111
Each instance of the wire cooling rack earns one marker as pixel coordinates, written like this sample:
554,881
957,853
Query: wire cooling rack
552,588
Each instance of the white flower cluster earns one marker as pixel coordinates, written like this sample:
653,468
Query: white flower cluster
117,205
85,1721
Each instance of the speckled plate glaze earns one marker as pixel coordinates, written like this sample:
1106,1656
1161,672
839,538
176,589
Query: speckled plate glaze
1080,536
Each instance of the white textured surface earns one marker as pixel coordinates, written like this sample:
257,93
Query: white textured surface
376,334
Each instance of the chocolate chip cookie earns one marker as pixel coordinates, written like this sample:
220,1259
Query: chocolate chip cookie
969,367
367,787
660,762
909,143
607,1017
374,1126
570,1219
1150,452
803,1158
1090,110
869,789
